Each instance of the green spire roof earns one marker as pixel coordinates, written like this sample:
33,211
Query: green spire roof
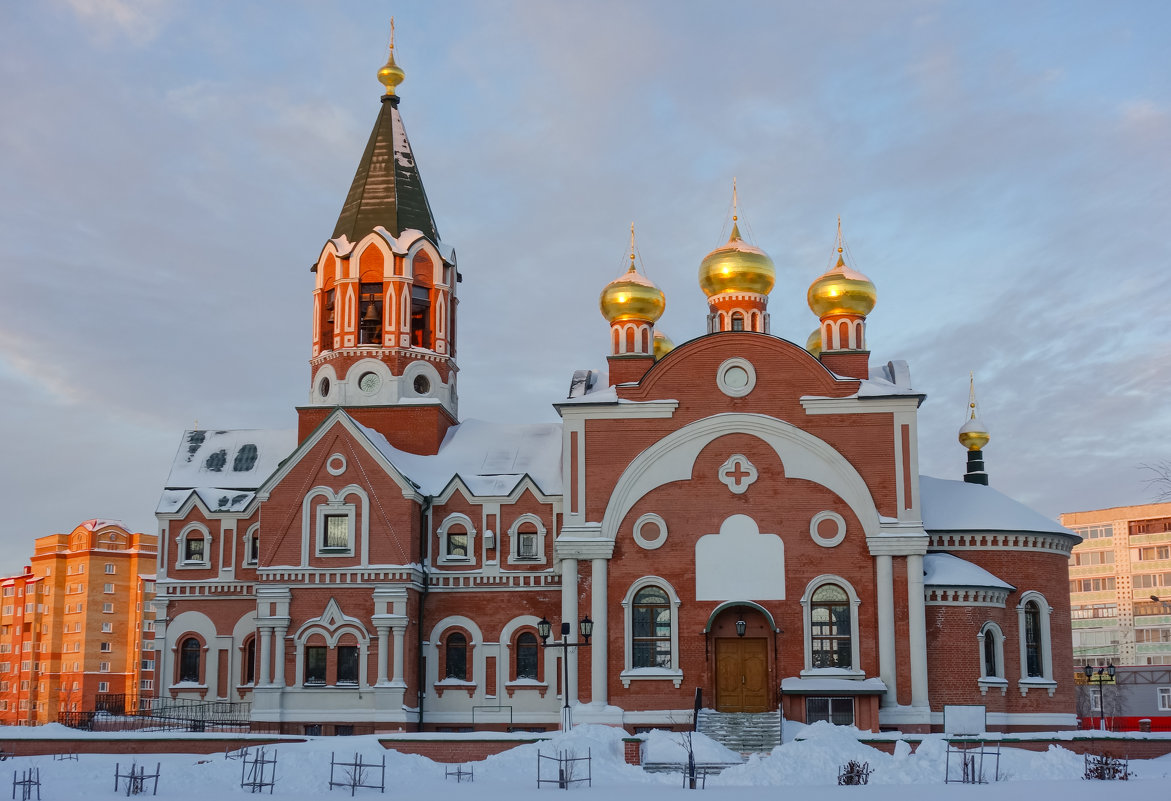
387,189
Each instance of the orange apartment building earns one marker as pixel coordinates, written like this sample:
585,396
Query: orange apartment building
77,623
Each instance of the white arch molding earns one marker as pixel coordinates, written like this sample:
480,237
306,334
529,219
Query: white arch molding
803,455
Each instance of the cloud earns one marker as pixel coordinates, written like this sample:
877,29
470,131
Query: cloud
138,21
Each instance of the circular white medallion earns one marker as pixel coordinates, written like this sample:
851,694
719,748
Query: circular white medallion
736,377
827,528
336,464
654,526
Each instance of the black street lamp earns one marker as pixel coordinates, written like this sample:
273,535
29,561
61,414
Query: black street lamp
544,629
1109,671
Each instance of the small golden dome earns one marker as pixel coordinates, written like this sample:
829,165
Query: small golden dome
663,344
632,297
391,74
842,291
813,344
736,267
973,433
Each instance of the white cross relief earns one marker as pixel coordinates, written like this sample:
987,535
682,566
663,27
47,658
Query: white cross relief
737,473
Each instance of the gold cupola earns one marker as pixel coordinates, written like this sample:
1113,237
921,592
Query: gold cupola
391,74
841,291
632,296
973,433
813,343
736,266
663,344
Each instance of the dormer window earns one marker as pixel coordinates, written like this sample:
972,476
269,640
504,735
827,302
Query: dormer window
526,543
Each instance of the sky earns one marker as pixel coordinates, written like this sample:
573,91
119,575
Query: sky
171,170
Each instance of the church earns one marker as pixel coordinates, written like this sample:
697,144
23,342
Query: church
737,522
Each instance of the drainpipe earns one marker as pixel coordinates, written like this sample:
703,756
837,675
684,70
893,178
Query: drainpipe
424,540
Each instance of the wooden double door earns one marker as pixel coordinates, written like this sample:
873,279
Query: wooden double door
742,683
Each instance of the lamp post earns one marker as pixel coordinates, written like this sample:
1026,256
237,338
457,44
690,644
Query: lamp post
1109,671
544,629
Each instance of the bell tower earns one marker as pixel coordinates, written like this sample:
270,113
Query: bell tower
384,298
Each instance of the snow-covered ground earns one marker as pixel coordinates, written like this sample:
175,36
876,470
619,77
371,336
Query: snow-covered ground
806,769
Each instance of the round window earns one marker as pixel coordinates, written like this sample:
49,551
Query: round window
422,385
736,377
323,387
369,383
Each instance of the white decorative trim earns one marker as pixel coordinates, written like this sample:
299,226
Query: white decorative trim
181,563
736,464
1045,680
827,542
804,456
651,674
514,556
807,625
657,542
997,680
335,464
442,558
735,366
1010,541
672,673
965,596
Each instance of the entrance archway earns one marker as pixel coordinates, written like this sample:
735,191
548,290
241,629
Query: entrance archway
742,664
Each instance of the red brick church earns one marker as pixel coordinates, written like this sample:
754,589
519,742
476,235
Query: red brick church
739,514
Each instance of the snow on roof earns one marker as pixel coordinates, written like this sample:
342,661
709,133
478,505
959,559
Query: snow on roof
826,685
233,460
960,506
490,458
216,499
945,570
96,523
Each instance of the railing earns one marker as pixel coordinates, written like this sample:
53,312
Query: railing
124,712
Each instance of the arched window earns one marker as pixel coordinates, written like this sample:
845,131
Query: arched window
456,656
991,641
421,302
737,321
526,541
315,663
526,655
829,613
457,542
651,629
991,665
1034,647
250,661
347,662
189,653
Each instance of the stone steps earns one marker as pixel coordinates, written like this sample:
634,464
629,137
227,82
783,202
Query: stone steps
743,732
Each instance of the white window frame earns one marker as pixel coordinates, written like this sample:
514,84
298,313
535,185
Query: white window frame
107,609
181,561
514,556
103,686
998,681
855,634
336,509
453,519
1164,696
629,673
103,667
110,569
1045,680
107,628
250,538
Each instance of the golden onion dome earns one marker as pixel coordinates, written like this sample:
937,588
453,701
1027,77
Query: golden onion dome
632,297
663,344
842,291
736,267
973,433
813,344
391,74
